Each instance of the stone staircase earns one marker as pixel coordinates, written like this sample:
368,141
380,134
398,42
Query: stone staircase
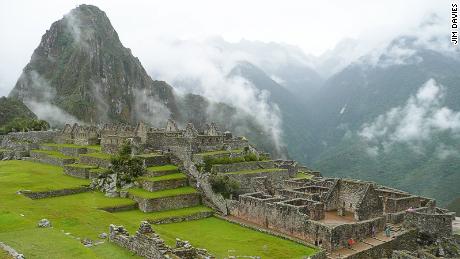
363,248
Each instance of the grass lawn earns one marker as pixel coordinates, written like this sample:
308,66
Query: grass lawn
162,168
36,177
76,217
218,152
52,153
159,194
137,215
224,239
269,170
164,177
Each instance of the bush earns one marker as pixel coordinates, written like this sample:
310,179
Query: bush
24,124
209,161
224,185
126,166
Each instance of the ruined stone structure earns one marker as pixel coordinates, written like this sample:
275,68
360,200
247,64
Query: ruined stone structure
78,135
330,211
148,244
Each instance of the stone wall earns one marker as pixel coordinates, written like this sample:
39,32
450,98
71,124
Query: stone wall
54,193
397,204
146,243
370,205
167,203
153,186
49,159
433,222
245,181
253,165
176,219
95,161
357,230
404,241
76,171
29,137
68,151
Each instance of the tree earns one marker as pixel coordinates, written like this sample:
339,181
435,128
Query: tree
126,166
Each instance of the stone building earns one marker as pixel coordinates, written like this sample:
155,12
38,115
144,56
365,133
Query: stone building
78,135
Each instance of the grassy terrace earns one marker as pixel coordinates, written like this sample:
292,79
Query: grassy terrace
37,177
82,166
78,216
99,155
269,170
51,153
164,177
303,175
160,194
162,168
137,215
98,170
218,152
94,147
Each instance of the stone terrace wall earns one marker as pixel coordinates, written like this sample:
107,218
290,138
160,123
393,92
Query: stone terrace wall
29,137
245,181
54,193
253,165
168,203
436,223
95,161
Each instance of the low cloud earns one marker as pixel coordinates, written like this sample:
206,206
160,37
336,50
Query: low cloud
149,109
414,123
203,69
39,98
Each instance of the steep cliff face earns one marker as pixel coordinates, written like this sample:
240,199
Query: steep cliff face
82,68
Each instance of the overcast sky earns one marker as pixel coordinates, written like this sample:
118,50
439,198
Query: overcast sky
314,26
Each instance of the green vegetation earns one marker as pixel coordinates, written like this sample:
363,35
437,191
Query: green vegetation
94,147
208,161
224,239
160,194
98,170
164,177
255,171
37,176
15,116
137,215
303,175
125,166
162,168
148,155
224,185
51,153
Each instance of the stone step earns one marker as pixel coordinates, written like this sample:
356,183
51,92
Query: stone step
158,183
153,171
166,199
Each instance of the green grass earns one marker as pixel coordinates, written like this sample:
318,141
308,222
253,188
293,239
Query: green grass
269,170
95,147
98,155
98,170
37,176
162,168
303,175
218,152
137,215
160,194
164,177
52,153
223,239
79,215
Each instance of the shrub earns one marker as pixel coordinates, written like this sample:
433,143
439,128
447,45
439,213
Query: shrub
126,166
224,185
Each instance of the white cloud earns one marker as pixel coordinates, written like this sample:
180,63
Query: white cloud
415,123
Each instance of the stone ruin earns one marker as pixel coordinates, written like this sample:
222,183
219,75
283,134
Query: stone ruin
329,211
146,243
